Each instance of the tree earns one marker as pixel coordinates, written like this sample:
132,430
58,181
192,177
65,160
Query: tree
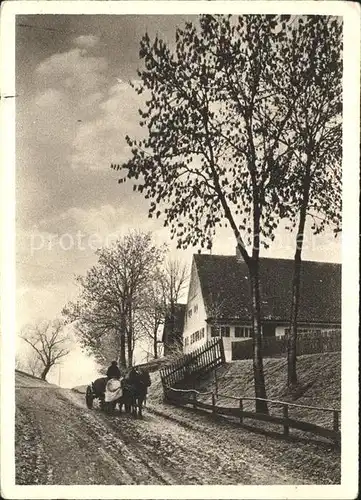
29,363
174,278
312,185
49,341
160,300
111,292
150,315
209,157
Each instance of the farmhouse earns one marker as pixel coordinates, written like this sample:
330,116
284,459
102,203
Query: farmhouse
219,299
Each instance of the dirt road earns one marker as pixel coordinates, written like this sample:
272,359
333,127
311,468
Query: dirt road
60,441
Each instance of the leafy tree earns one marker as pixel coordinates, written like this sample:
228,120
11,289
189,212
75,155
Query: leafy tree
311,186
110,293
209,157
49,342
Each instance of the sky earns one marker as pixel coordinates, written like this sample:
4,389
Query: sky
74,107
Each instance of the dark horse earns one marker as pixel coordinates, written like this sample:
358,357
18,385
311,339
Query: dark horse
135,388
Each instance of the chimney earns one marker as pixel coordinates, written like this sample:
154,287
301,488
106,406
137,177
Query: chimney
239,257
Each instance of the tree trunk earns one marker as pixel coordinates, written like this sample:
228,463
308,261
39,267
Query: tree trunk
155,344
295,300
259,381
45,372
123,361
130,346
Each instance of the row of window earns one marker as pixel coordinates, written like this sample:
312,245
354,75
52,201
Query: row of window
243,331
198,335
220,331
304,330
224,331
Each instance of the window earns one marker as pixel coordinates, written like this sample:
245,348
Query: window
215,331
224,331
189,313
220,331
243,332
196,308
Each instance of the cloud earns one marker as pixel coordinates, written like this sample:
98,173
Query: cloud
49,98
103,220
101,141
87,41
74,69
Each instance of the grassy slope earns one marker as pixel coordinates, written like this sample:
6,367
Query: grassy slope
320,381
319,377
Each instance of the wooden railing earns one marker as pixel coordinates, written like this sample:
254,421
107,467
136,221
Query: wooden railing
199,362
182,397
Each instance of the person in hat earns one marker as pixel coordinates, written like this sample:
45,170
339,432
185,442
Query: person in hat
113,371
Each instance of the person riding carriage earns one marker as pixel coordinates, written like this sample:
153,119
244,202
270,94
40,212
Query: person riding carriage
113,371
110,390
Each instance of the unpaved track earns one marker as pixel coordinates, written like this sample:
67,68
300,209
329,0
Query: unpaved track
60,441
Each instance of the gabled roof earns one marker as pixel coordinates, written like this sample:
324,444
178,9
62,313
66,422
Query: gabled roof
179,313
225,288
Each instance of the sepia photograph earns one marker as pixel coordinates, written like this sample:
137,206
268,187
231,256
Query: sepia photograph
180,291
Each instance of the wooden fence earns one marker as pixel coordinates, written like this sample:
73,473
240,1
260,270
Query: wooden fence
307,343
187,369
181,397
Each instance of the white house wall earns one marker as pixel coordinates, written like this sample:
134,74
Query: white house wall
195,315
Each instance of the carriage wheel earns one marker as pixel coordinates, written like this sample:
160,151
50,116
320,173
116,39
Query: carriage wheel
89,397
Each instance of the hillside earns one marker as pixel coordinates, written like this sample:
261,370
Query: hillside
320,385
319,377
319,380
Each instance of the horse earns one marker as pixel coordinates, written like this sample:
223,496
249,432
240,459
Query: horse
135,391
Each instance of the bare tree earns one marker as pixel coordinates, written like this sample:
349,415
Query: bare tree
174,280
150,315
159,302
111,293
49,341
29,363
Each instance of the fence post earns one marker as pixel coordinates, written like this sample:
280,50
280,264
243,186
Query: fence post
240,410
286,428
213,404
194,399
336,423
222,350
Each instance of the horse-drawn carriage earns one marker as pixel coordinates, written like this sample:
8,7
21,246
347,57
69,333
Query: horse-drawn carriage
129,391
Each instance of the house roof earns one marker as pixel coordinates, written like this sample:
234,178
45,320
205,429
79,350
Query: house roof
179,313
225,288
